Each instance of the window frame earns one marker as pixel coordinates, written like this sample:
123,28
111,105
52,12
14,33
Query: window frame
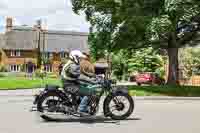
15,53
63,54
48,68
15,68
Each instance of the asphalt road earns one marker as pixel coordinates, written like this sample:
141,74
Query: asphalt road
149,117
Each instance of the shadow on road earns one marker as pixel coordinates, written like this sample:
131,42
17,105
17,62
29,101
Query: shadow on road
91,120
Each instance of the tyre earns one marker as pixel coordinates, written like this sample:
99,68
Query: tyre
49,103
46,118
119,106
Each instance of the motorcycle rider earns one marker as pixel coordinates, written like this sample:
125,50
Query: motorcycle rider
88,75
87,69
71,73
71,70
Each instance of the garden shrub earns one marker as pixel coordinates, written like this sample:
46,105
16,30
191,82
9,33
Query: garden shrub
2,75
3,68
40,74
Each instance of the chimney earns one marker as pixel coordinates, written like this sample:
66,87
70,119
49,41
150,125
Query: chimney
38,25
9,24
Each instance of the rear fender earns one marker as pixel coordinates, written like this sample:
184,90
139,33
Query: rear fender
49,89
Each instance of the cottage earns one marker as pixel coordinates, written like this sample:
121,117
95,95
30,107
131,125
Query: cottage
21,45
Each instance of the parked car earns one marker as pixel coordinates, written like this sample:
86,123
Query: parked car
149,78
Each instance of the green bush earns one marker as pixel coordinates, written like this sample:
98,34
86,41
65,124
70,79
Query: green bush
51,75
40,74
2,75
23,67
161,72
3,69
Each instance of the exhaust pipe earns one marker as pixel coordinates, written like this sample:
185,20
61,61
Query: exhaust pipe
33,109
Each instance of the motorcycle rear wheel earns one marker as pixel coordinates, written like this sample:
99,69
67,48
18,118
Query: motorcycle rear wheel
50,108
42,99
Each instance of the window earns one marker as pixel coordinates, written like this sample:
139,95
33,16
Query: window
48,68
63,55
15,68
48,55
15,53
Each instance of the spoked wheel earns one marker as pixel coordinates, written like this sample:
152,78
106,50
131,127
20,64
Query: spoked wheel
50,106
119,107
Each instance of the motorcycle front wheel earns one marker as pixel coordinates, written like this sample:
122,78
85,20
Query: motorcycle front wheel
118,107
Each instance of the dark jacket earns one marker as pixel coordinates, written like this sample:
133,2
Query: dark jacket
70,71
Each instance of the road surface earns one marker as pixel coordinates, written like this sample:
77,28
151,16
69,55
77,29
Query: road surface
180,116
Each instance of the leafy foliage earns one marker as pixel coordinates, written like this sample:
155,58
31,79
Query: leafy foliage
190,60
133,61
120,64
3,68
145,59
125,24
40,74
176,16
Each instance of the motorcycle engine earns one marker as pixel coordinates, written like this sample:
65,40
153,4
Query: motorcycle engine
71,89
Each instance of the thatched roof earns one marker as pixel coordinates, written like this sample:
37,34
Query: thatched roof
26,38
66,41
23,40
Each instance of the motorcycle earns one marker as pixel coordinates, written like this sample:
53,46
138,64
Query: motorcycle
52,101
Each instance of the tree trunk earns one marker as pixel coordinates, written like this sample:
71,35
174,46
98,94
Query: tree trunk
173,47
109,65
173,66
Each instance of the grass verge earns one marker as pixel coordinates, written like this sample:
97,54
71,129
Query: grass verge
24,83
13,83
185,91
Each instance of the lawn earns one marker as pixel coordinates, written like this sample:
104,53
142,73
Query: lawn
24,83
12,83
185,91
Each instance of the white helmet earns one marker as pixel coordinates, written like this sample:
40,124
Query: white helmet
75,56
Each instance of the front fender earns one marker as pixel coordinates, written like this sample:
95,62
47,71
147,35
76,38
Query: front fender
120,90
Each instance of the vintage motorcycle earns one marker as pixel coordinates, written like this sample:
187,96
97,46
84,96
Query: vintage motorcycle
117,104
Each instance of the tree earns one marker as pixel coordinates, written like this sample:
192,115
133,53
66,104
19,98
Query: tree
168,24
169,29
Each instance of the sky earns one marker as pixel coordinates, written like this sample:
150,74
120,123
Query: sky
55,14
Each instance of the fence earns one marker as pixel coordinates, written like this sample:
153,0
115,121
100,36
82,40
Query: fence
192,81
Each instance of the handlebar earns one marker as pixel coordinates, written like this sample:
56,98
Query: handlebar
104,81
